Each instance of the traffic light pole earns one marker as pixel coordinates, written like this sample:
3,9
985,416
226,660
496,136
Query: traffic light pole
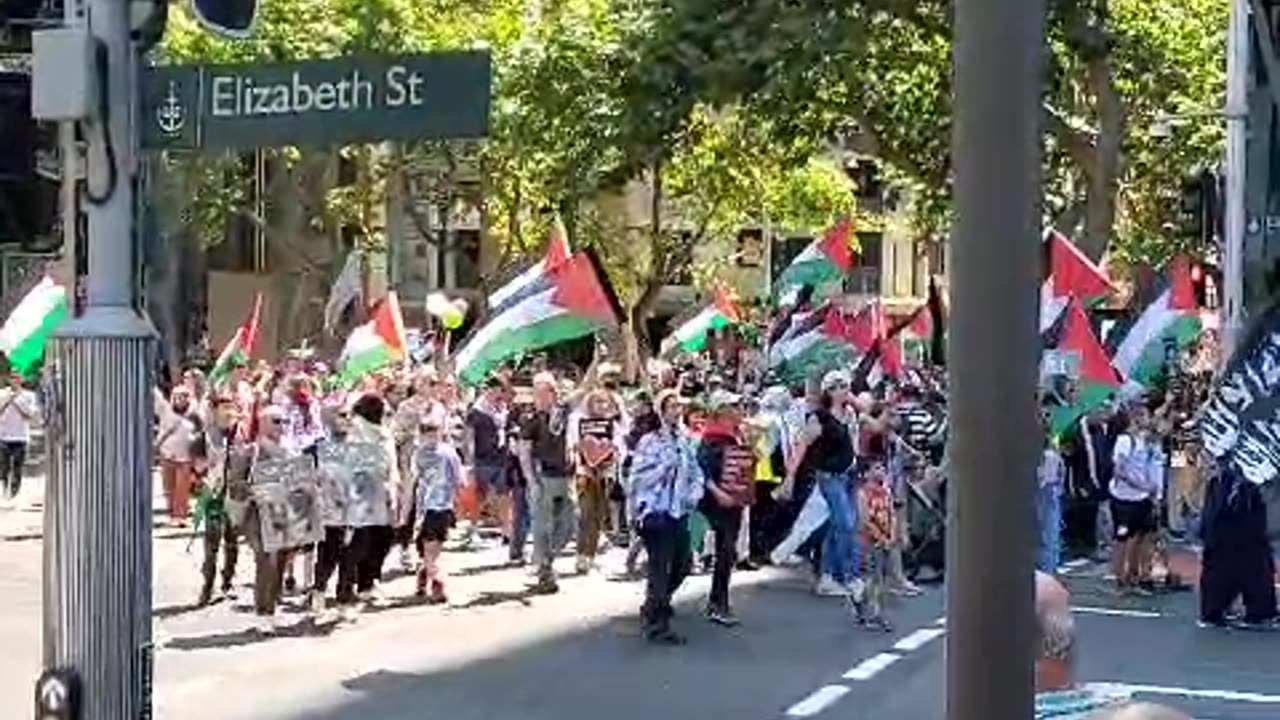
97,552
1234,220
993,360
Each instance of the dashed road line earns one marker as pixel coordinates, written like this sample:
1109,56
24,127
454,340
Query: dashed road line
918,639
1114,612
872,666
817,701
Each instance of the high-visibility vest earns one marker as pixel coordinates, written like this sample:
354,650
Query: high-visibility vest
764,462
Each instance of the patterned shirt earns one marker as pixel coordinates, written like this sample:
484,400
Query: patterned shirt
665,476
437,472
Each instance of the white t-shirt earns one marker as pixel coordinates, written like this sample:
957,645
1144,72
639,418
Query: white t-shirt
20,409
1133,476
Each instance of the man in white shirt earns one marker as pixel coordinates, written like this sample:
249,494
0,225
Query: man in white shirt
1135,486
176,430
18,410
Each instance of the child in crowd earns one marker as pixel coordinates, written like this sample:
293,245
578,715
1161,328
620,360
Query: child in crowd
875,507
437,470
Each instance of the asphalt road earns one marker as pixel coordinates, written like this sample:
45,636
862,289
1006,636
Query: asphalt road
497,653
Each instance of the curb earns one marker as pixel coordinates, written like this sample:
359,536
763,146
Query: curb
155,535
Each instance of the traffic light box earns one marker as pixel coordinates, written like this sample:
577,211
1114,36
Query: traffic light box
1199,208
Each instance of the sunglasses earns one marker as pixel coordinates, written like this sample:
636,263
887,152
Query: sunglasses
275,421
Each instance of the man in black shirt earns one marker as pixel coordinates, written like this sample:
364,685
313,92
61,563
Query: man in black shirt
544,459
485,450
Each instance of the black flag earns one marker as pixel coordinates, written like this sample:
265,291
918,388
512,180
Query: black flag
233,18
938,344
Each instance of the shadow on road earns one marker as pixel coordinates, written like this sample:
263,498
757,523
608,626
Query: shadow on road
249,636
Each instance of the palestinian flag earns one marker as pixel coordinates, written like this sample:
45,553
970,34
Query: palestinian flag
25,333
691,336
557,252
916,336
240,348
827,259
824,339
567,301
1069,275
375,344
1096,379
1170,321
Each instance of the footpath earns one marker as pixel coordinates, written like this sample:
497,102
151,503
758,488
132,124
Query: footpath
22,517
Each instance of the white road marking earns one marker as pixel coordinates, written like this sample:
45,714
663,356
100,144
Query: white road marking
817,701
1229,695
870,667
918,639
1114,612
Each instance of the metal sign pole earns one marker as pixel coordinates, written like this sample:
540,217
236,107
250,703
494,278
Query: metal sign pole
1234,220
993,360
97,552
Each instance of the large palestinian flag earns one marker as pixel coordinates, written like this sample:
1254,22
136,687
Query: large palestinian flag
1068,274
1170,320
825,261
823,339
1096,379
557,252
691,336
25,334
565,302
376,344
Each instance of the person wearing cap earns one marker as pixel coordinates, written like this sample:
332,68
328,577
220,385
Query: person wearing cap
826,447
665,485
18,410
543,453
726,463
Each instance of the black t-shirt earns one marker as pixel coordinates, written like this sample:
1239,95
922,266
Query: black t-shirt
833,450
546,432
484,437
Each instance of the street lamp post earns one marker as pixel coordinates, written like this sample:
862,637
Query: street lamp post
993,360
1234,217
97,524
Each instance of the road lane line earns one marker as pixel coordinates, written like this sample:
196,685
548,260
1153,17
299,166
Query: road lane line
870,667
918,639
817,701
1114,612
1229,695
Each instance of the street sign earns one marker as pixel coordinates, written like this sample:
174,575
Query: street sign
361,98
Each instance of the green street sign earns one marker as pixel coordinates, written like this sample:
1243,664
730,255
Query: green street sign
363,98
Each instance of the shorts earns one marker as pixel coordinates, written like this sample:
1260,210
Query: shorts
490,477
1132,518
436,525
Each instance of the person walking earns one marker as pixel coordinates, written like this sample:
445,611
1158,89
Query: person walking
666,484
178,427
597,447
19,410
437,472
727,465
544,458
1051,477
1238,560
222,463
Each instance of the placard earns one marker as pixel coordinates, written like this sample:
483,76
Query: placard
354,479
287,496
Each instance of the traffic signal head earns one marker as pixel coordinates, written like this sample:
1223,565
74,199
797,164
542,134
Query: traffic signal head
233,18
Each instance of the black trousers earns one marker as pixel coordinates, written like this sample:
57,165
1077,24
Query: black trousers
335,553
769,523
13,456
371,546
219,533
1237,569
725,524
1080,526
666,543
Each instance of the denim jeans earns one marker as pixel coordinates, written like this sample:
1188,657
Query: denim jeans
838,547
1049,521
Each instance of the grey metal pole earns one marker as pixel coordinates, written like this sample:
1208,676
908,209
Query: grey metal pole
993,358
1234,169
97,552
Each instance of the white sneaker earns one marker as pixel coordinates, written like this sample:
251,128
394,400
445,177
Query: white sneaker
857,588
315,602
583,565
266,625
407,563
828,587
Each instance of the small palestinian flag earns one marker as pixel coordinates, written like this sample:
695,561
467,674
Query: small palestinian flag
240,348
566,302
376,344
691,336
1096,379
26,332
827,260
1170,320
1069,274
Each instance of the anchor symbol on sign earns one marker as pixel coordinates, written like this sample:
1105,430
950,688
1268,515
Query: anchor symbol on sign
170,115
